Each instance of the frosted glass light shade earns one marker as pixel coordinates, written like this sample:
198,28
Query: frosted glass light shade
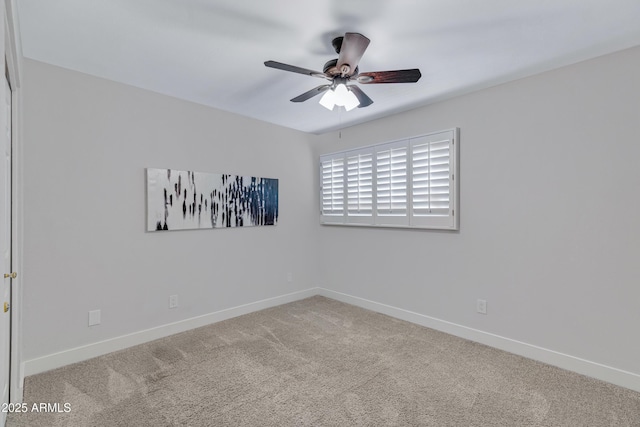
350,101
340,96
328,100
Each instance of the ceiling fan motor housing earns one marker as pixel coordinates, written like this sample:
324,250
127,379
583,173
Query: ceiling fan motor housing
329,65
331,69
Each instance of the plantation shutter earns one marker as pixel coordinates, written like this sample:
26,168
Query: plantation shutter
407,183
391,181
332,177
431,174
359,185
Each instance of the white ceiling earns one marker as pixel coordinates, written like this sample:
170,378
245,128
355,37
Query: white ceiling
212,51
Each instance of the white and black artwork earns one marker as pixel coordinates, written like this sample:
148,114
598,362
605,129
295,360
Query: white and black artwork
180,200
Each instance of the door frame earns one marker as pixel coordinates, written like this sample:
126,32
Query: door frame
13,72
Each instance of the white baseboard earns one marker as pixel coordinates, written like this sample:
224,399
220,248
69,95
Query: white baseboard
79,354
609,374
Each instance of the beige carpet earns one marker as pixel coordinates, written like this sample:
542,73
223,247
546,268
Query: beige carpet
319,362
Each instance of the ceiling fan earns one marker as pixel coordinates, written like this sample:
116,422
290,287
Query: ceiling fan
343,70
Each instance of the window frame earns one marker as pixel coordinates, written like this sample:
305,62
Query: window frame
386,184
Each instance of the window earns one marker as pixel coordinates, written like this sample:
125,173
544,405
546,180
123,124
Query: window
406,183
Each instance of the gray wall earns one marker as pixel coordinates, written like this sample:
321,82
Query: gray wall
549,231
87,142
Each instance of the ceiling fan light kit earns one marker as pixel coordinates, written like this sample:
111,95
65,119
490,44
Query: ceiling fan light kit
344,69
340,96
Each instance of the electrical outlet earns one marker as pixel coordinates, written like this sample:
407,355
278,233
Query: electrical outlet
173,301
94,317
289,277
481,306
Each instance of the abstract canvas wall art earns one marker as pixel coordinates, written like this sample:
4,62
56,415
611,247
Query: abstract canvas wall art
181,200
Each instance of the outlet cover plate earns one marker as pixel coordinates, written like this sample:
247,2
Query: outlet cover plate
482,306
173,301
94,317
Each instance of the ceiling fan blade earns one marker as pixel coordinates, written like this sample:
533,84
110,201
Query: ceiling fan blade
352,49
310,94
395,76
294,69
365,101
